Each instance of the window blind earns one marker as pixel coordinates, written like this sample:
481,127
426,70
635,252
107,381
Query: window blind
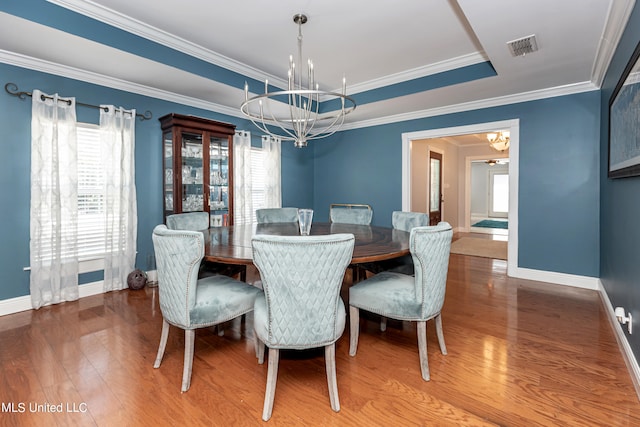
91,193
257,181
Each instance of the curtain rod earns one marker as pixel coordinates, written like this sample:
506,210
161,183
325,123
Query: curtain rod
12,89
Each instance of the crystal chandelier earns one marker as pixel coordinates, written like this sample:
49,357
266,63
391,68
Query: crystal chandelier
295,114
499,141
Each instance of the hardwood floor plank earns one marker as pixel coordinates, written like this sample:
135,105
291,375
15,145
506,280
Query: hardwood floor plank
521,353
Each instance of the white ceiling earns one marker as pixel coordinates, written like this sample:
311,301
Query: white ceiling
372,43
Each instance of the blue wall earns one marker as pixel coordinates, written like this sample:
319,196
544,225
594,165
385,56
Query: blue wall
559,158
15,163
559,194
558,169
620,208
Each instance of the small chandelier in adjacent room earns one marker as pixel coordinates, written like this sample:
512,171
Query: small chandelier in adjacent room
295,114
499,141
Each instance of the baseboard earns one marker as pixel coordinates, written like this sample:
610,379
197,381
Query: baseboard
584,282
623,342
18,304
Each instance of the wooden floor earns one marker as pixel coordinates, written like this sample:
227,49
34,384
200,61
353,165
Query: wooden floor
521,353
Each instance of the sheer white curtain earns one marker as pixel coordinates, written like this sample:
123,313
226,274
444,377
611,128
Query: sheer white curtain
117,135
54,200
243,198
273,181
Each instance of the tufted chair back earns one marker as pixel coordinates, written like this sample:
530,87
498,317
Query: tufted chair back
350,214
301,306
178,256
302,277
430,246
188,221
276,215
405,221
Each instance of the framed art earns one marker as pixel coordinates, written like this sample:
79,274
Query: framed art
624,122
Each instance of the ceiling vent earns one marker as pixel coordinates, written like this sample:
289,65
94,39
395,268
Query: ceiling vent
523,46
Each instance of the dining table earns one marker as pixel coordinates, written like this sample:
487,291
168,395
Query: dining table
232,244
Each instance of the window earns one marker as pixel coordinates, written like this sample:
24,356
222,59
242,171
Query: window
499,194
91,194
90,243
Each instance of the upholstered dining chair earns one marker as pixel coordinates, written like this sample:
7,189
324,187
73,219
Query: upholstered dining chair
187,302
346,213
404,221
195,221
199,221
276,215
301,306
401,297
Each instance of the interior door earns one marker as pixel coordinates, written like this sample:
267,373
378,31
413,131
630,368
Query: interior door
435,188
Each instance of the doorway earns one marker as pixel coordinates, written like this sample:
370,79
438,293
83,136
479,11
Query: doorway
463,220
489,196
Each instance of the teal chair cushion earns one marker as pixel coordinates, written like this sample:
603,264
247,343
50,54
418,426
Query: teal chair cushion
387,294
219,299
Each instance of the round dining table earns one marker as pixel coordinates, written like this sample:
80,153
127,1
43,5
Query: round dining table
232,244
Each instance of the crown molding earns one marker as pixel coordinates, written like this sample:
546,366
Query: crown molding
416,73
615,24
30,63
476,105
102,80
146,31
139,28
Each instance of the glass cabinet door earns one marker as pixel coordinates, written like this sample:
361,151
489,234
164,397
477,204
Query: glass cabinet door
167,143
219,181
198,167
192,166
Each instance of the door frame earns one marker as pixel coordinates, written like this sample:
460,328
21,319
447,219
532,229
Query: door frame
514,150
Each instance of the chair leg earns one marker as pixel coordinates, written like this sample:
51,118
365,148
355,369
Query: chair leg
189,340
354,329
330,362
272,377
220,328
443,347
259,350
422,348
163,343
383,323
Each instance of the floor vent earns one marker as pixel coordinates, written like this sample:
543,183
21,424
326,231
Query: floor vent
523,46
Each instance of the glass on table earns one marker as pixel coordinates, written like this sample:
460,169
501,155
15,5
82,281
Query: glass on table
305,217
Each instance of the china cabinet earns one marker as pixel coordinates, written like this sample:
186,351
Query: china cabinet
198,167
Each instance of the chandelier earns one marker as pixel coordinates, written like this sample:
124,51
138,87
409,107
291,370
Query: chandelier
295,114
499,141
